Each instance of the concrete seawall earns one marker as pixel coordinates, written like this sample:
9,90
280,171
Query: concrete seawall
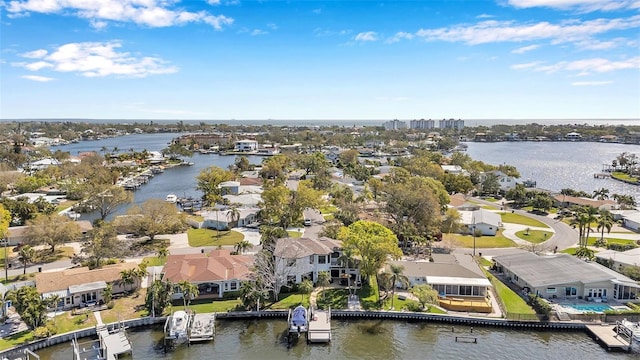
338,314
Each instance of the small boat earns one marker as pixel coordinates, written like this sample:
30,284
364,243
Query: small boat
633,327
171,198
176,327
298,321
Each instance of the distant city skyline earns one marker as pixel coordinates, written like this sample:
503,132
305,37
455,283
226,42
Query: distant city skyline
502,60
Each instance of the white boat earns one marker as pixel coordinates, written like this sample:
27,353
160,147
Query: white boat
298,320
633,327
172,198
177,326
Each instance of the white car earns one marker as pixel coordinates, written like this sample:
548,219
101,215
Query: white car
307,222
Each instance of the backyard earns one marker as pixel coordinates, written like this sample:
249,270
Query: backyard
208,237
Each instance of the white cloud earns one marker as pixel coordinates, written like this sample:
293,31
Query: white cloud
591,83
213,2
317,11
484,16
400,36
327,32
366,36
37,78
94,59
492,31
524,49
581,5
36,54
152,13
582,67
257,32
272,26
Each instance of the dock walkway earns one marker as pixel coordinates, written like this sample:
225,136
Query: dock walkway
319,326
203,327
610,337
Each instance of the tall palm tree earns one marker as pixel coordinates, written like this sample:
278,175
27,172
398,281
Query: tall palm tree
27,255
126,276
305,287
605,221
162,253
397,277
233,215
243,246
188,291
601,194
590,217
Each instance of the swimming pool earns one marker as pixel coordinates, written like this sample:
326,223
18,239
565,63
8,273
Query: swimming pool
596,308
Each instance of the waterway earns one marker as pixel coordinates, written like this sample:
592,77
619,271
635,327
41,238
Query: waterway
366,339
559,165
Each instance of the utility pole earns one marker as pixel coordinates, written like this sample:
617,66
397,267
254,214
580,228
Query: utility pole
474,236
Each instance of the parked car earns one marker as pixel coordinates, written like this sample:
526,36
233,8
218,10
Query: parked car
307,222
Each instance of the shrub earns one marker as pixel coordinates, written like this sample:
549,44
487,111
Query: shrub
621,247
413,306
540,305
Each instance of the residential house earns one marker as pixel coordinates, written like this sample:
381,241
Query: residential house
300,258
223,219
81,286
569,201
488,222
17,234
215,273
505,181
452,276
246,146
617,260
566,277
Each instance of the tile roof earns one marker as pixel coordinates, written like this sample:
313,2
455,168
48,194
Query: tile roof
296,248
61,280
218,265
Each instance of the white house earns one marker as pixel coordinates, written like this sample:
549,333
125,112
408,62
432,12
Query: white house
246,145
488,222
505,181
617,260
300,258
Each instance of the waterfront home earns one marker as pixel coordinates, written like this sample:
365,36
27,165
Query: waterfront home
304,258
229,187
453,279
215,273
573,136
618,260
564,276
487,222
16,235
245,146
505,181
78,287
223,218
569,201
453,169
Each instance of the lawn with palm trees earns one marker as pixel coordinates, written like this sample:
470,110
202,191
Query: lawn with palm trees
208,237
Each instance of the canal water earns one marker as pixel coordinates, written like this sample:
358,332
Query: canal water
366,339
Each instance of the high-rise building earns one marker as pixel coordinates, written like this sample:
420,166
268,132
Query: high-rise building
395,125
452,124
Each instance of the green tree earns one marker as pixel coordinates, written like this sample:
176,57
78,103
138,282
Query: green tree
305,288
425,294
126,276
152,218
27,255
397,278
162,253
5,220
324,279
372,243
601,194
490,184
176,150
243,246
107,293
30,305
274,168
159,297
242,163
105,199
585,253
605,222
189,291
457,183
103,243
51,230
209,181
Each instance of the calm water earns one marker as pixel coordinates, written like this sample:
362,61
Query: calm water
558,165
367,339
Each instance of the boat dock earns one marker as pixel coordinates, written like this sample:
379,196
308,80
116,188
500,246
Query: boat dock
203,327
109,346
612,337
319,326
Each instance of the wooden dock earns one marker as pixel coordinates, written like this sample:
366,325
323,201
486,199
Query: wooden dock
610,337
319,326
203,327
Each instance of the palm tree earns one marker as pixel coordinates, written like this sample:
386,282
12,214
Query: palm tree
234,216
162,253
249,294
397,277
590,217
601,194
53,301
126,276
585,253
324,278
305,287
242,246
107,293
188,291
605,221
27,254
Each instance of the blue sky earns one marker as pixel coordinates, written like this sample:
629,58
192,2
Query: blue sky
236,59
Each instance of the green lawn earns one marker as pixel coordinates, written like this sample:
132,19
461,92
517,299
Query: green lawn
512,302
17,278
289,301
623,176
62,252
485,262
512,218
15,340
154,261
570,251
336,298
294,234
368,294
196,218
207,237
497,241
328,209
534,236
592,241
208,306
